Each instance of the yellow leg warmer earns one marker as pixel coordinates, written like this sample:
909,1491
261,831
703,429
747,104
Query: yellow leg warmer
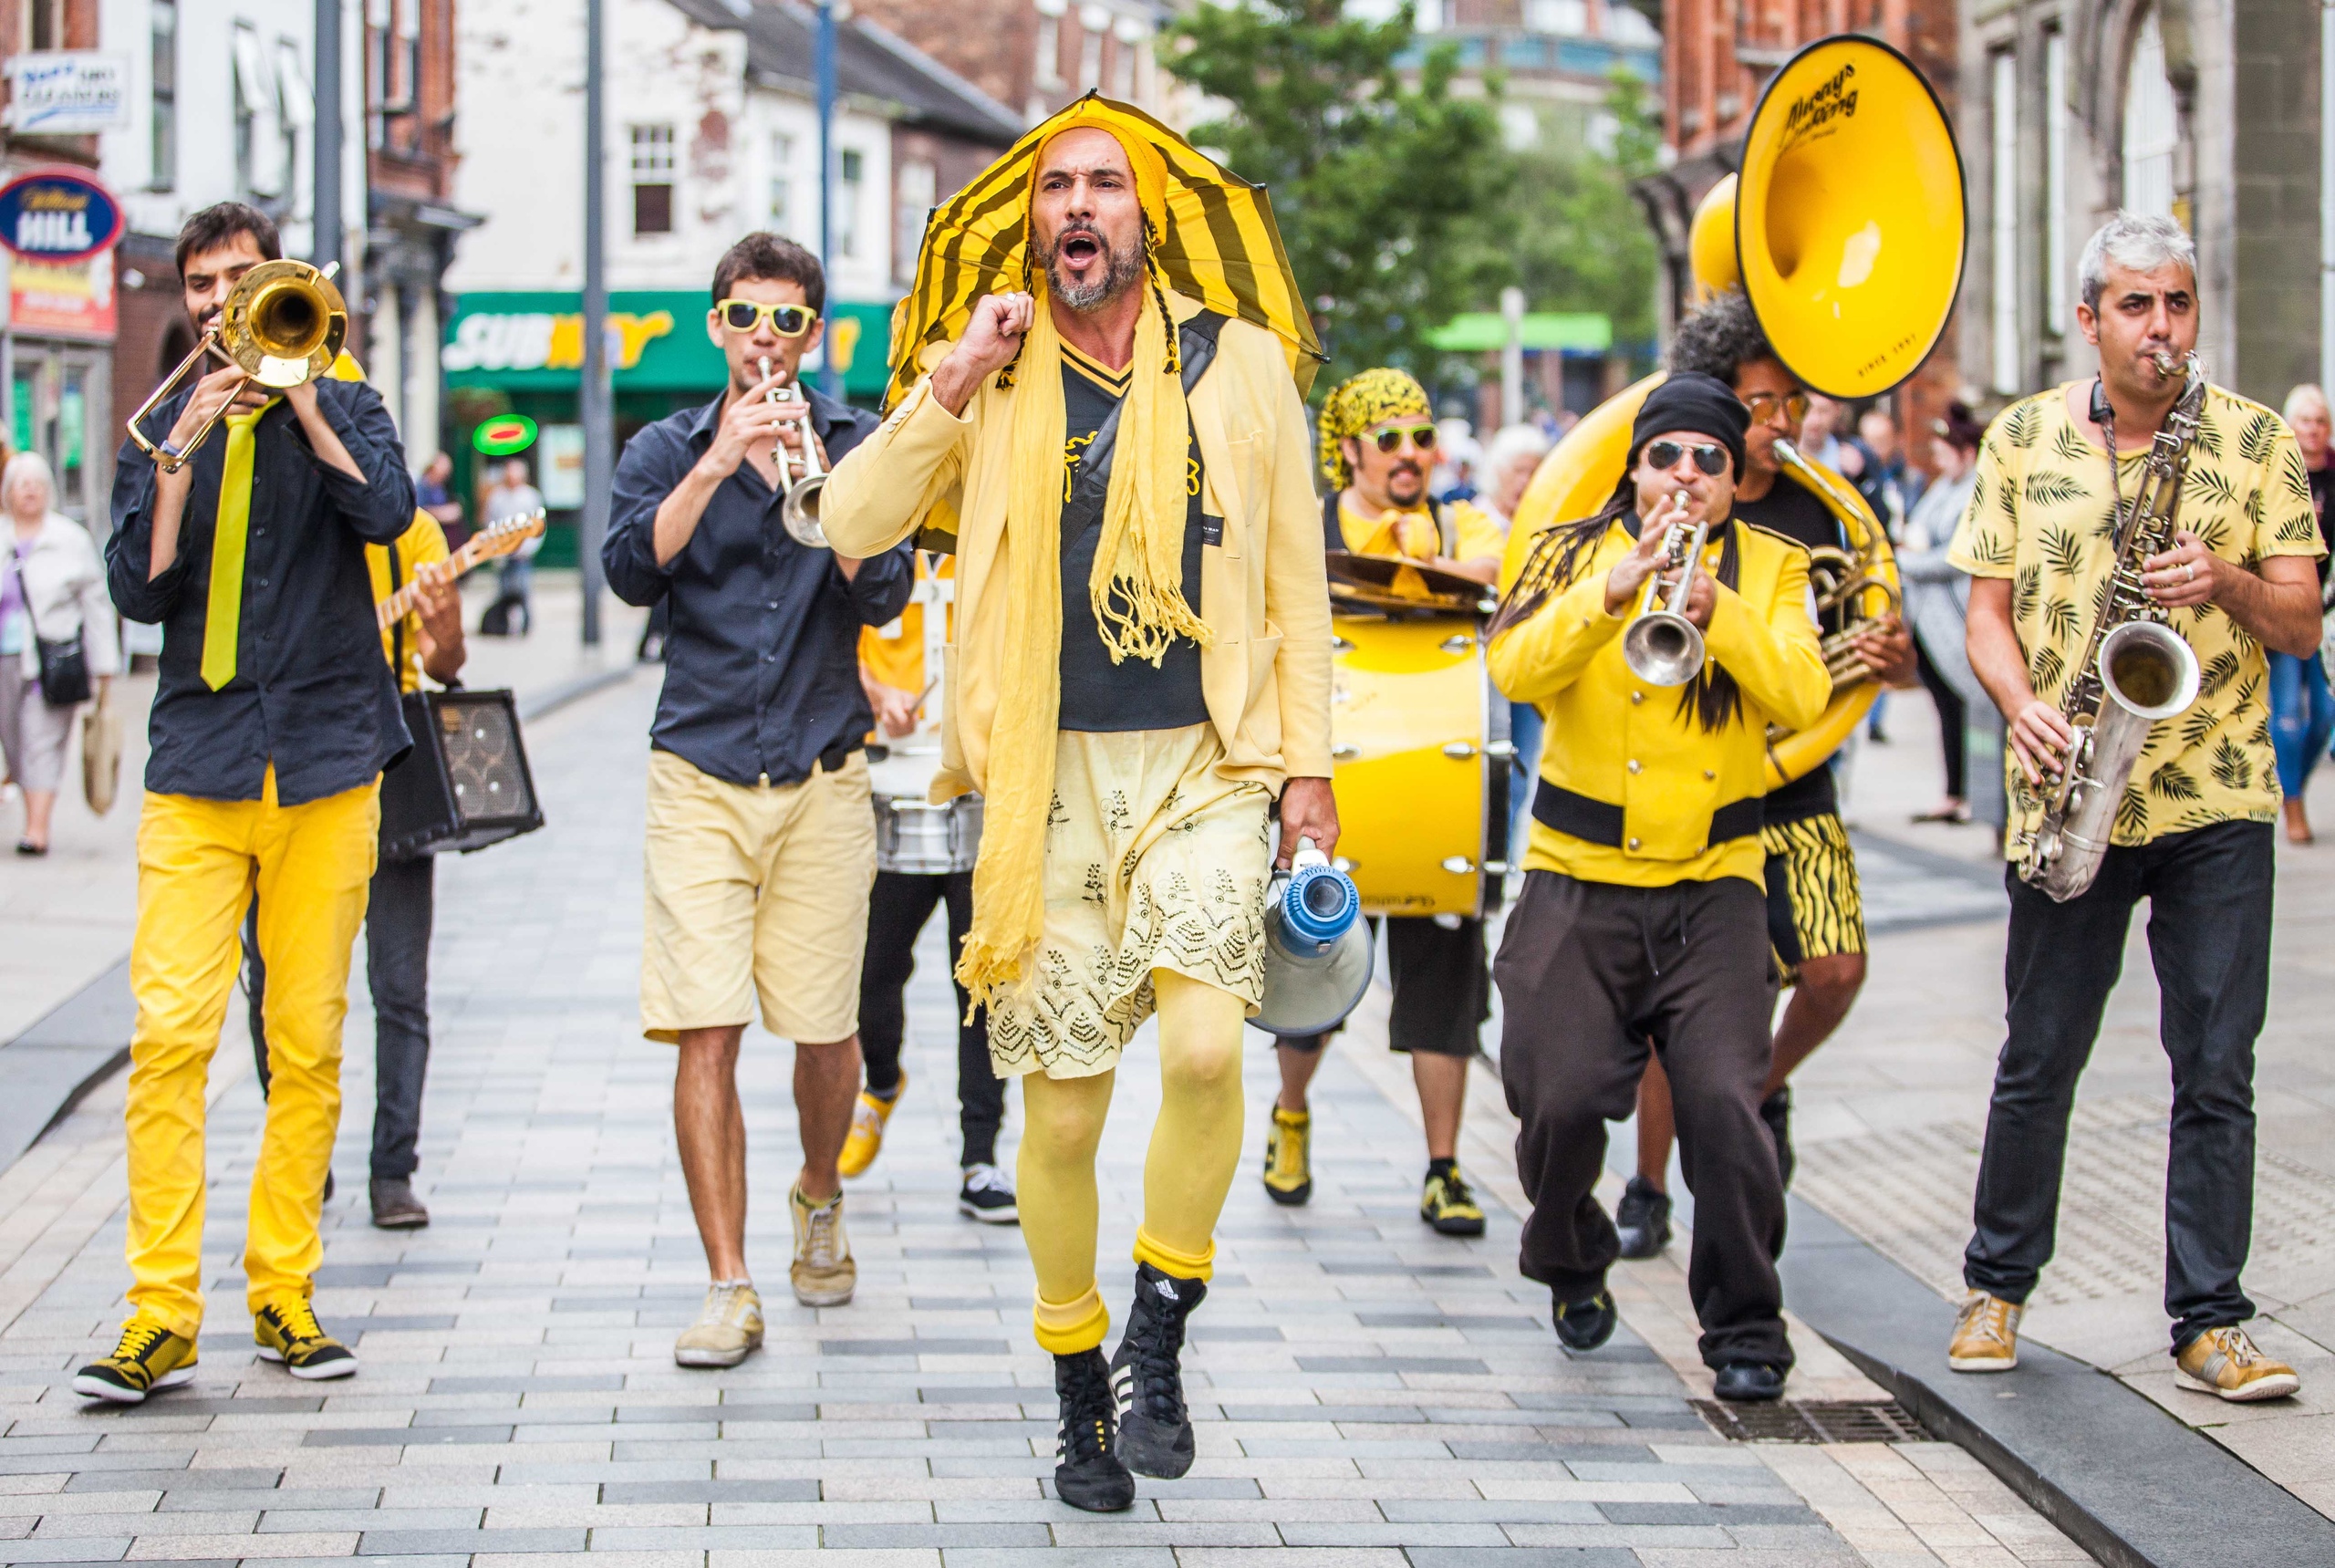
1196,1144
1054,1181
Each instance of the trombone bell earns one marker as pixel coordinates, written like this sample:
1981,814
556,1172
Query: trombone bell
282,325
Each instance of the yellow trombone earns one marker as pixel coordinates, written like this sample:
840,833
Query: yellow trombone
282,325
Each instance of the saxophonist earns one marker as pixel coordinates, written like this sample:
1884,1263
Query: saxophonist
2193,833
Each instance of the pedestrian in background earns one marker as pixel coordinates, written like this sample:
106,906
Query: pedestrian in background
1938,600
53,592
433,494
1511,460
2302,709
512,613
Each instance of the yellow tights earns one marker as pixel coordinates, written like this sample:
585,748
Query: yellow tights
1195,1149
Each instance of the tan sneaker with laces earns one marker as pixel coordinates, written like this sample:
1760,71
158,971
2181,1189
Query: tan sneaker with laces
2225,1362
728,1327
823,1273
1985,1334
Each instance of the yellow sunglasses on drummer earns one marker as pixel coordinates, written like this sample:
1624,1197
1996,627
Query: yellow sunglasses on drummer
786,320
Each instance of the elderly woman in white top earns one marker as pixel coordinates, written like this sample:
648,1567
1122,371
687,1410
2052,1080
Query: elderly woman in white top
52,589
1510,459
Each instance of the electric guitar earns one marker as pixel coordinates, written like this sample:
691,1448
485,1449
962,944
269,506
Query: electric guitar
499,538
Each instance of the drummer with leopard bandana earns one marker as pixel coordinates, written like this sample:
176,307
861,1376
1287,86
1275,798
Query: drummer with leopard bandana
1377,442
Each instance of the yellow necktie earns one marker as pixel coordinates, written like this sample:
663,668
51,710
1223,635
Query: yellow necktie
224,612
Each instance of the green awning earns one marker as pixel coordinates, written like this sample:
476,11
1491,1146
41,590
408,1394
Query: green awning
1480,331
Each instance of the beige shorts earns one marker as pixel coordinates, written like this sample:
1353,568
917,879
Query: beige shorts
1153,861
756,891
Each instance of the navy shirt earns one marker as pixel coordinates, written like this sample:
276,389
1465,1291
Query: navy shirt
312,693
762,665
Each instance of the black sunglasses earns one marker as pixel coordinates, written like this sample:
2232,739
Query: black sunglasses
1664,454
786,320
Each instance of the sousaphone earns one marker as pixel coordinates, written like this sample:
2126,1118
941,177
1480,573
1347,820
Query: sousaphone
1844,230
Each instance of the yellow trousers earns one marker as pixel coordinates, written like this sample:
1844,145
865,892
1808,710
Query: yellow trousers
1195,1149
199,863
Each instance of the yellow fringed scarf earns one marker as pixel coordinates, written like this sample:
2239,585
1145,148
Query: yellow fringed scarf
1138,598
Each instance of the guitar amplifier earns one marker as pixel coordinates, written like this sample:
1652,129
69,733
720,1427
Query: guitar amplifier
465,784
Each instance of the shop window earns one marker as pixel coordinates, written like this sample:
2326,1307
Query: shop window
782,181
916,184
162,35
846,212
2152,127
652,179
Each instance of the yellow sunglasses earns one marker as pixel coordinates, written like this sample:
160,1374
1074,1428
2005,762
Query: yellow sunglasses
786,320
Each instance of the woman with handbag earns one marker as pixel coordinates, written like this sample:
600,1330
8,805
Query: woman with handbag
57,637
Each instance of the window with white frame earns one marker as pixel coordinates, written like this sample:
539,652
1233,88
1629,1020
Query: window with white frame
2152,126
780,213
853,181
2058,290
1051,19
1094,22
652,179
259,143
2003,203
162,34
916,184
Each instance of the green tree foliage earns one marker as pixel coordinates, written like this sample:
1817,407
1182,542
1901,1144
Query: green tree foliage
1374,179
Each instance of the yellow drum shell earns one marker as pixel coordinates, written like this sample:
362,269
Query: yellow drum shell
1407,719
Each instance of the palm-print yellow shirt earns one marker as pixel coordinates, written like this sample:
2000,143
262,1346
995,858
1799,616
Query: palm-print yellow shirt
2041,514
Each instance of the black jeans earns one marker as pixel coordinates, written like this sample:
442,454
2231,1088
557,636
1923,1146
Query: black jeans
397,968
2209,894
1953,715
897,911
1588,972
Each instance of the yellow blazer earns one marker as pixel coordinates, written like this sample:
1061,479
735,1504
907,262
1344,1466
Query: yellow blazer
1266,678
1620,741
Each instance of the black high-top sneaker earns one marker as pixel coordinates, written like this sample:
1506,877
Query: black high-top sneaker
1147,1378
1087,1471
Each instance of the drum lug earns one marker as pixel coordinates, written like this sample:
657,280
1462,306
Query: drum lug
1459,750
1495,868
1456,643
1458,865
1340,645
1346,753
1344,865
1504,749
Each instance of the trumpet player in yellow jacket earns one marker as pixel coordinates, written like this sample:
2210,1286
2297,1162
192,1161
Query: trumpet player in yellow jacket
1644,915
1141,666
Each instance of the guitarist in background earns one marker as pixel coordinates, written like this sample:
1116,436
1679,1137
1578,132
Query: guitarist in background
426,640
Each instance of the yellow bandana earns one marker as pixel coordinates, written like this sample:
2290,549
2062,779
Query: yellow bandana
1360,401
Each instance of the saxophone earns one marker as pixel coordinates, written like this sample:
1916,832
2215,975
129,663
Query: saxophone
2135,669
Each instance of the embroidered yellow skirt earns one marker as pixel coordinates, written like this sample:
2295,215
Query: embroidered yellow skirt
1153,861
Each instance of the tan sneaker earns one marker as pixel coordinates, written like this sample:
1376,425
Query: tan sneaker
1985,1334
822,1271
728,1327
2224,1362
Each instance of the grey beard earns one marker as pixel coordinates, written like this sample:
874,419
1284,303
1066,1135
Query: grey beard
1122,272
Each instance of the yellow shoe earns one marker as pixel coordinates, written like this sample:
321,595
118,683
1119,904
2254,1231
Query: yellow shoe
867,1139
2224,1362
1985,1334
823,1273
148,1359
288,1332
1289,1158
1448,1204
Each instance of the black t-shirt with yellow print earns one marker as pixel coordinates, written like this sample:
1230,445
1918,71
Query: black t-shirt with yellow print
1096,694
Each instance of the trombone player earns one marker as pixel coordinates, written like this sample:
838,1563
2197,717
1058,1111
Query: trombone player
2194,835
274,718
1644,909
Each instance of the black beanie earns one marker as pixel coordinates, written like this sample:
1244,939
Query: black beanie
1703,404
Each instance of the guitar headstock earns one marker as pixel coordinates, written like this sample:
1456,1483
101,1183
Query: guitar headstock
505,534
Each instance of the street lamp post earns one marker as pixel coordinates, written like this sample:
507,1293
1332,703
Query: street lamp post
825,66
595,399
325,242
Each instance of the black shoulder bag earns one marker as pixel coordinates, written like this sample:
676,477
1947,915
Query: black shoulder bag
64,663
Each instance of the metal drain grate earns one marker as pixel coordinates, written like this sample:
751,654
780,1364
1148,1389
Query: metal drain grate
1812,1421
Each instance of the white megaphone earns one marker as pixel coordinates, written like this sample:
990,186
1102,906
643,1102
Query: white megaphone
1317,949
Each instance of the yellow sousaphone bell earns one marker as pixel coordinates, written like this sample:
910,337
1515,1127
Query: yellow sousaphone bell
1844,230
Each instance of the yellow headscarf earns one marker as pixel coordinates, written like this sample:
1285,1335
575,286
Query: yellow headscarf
1358,403
1135,587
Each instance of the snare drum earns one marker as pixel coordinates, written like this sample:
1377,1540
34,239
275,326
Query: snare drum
915,837
1420,743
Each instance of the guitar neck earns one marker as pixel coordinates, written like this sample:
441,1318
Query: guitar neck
400,603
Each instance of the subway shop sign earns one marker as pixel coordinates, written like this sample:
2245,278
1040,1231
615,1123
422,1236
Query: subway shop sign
657,342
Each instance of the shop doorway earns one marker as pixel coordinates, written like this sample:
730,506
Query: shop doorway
57,390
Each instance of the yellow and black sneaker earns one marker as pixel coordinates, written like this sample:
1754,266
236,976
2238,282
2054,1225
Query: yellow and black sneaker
288,1332
1289,1158
148,1359
1446,1204
866,1140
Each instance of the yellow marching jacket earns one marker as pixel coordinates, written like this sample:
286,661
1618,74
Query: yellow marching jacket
1682,801
1266,678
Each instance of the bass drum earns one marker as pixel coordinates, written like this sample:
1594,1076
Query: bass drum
913,837
1423,765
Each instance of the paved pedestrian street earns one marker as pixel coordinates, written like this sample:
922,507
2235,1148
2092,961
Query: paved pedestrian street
1366,1393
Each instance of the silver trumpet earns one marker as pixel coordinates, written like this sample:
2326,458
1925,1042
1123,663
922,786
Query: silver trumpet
1662,647
799,512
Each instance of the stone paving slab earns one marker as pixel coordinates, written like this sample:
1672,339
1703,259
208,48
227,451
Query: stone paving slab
1365,1392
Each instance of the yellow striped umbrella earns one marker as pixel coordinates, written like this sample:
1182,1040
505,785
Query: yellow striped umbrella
1221,248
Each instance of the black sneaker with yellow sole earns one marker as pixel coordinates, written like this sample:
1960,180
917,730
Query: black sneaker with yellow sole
288,1332
147,1359
1448,1204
